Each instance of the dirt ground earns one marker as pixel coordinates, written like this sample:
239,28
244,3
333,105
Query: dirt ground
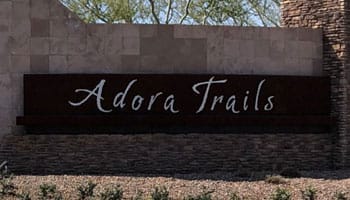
222,185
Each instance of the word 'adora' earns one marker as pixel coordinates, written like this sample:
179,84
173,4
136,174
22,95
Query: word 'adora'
201,89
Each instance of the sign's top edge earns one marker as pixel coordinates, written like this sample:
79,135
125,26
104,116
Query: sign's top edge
176,74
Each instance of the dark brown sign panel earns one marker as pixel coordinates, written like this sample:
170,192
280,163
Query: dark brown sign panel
109,99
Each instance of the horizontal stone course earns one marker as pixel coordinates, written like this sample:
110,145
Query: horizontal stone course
165,153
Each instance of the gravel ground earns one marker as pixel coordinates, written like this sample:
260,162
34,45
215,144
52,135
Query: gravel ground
223,184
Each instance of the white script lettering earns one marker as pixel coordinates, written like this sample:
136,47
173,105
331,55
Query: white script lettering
95,92
122,95
169,104
206,93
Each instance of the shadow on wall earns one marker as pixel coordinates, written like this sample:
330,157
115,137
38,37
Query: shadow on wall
274,177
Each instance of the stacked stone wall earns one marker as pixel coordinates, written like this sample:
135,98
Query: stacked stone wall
333,17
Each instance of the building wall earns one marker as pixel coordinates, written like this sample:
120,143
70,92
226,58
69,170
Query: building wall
42,36
333,17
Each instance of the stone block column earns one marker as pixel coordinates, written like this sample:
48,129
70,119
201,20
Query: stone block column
333,17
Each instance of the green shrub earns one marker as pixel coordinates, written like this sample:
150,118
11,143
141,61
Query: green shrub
7,187
138,196
24,196
160,193
115,193
309,193
203,196
275,179
281,194
49,192
235,196
339,195
86,191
